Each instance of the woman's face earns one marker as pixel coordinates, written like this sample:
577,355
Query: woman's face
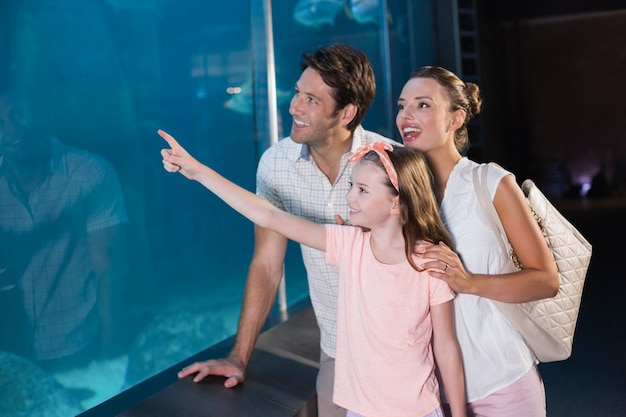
424,118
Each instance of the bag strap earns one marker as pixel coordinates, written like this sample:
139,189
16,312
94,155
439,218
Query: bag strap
482,192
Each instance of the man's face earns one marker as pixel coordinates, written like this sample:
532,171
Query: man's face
312,108
18,143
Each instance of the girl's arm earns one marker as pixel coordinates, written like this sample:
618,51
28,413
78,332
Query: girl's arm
253,207
448,356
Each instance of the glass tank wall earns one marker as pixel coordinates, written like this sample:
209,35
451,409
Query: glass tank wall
111,269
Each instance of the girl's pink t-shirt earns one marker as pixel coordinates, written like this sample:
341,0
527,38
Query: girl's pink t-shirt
384,364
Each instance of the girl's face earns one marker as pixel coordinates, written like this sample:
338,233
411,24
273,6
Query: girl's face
423,118
370,199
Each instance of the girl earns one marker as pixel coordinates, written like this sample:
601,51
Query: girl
502,377
389,306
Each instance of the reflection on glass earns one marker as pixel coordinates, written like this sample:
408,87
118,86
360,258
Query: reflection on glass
61,209
169,260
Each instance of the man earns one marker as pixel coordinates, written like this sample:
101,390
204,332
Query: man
307,174
60,208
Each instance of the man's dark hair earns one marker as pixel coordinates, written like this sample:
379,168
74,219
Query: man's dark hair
349,73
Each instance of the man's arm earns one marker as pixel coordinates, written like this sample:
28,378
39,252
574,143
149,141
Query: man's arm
264,276
102,245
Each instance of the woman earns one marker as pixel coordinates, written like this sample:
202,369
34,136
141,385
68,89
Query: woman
502,378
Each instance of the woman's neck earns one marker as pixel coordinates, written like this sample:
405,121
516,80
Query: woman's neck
442,164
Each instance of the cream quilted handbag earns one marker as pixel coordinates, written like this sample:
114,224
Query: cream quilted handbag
547,325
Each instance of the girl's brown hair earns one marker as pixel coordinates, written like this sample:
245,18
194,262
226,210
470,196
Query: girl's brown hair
419,212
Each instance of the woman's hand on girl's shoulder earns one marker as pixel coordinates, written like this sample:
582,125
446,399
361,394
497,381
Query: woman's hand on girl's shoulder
445,264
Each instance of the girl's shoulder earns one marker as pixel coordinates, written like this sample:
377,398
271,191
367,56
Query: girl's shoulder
345,231
423,245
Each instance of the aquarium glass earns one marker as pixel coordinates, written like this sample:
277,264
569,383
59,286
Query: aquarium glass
112,269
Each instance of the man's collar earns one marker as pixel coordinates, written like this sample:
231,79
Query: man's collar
56,156
357,139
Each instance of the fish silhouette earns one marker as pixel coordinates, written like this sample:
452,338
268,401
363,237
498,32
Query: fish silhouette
242,98
366,11
315,13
